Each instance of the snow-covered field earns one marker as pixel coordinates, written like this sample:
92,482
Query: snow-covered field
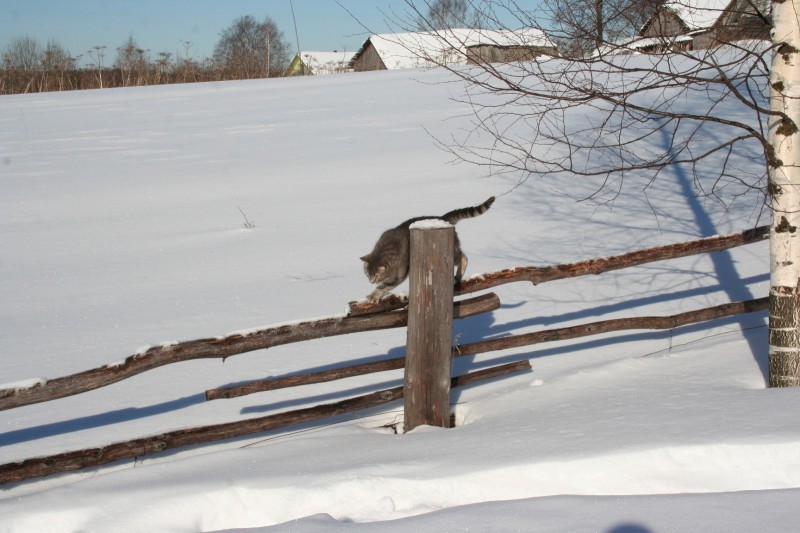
120,227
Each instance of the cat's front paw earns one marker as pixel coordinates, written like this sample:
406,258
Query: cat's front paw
375,296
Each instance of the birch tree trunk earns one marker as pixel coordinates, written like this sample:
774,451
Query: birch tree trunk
784,189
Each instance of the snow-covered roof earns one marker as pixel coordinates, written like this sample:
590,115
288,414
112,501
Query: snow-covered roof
326,62
639,43
421,49
762,8
698,14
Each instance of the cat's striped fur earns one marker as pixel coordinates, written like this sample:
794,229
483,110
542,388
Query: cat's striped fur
387,264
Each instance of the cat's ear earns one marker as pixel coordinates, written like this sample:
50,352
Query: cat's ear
365,258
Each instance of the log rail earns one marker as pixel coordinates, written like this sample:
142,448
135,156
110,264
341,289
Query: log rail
222,348
362,316
154,444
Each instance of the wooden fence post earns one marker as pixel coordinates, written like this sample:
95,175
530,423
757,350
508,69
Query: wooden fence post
430,325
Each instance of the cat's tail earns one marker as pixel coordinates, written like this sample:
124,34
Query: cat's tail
467,212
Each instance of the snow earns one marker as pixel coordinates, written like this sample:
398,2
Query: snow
430,223
29,383
119,227
449,46
326,62
698,14
639,43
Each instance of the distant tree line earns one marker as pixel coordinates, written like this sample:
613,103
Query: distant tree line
251,49
247,49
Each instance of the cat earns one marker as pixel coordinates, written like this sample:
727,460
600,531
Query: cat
387,264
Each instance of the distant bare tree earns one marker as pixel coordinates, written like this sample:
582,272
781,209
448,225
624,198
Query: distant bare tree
442,14
99,52
163,65
55,58
22,53
250,49
56,64
132,62
186,67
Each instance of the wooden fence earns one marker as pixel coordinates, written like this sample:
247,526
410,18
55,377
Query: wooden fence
391,312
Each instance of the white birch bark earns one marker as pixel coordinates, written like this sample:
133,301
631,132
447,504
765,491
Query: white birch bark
784,189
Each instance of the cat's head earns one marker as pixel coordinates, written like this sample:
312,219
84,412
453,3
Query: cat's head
375,269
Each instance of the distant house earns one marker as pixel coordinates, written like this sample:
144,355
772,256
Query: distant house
450,47
743,19
315,63
696,24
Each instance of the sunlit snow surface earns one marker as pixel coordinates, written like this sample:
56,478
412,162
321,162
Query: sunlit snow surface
121,226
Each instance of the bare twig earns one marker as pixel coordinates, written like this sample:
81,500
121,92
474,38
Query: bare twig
247,223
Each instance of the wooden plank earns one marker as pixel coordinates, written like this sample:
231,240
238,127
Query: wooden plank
430,327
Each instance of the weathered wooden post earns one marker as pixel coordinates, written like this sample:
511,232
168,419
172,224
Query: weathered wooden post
430,325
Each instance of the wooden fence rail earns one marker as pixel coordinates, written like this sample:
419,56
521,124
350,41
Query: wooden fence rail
617,324
141,447
537,275
362,317
68,461
502,343
222,348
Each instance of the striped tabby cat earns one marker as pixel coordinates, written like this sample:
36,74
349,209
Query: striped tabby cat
387,264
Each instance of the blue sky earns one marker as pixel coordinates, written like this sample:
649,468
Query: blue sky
161,25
